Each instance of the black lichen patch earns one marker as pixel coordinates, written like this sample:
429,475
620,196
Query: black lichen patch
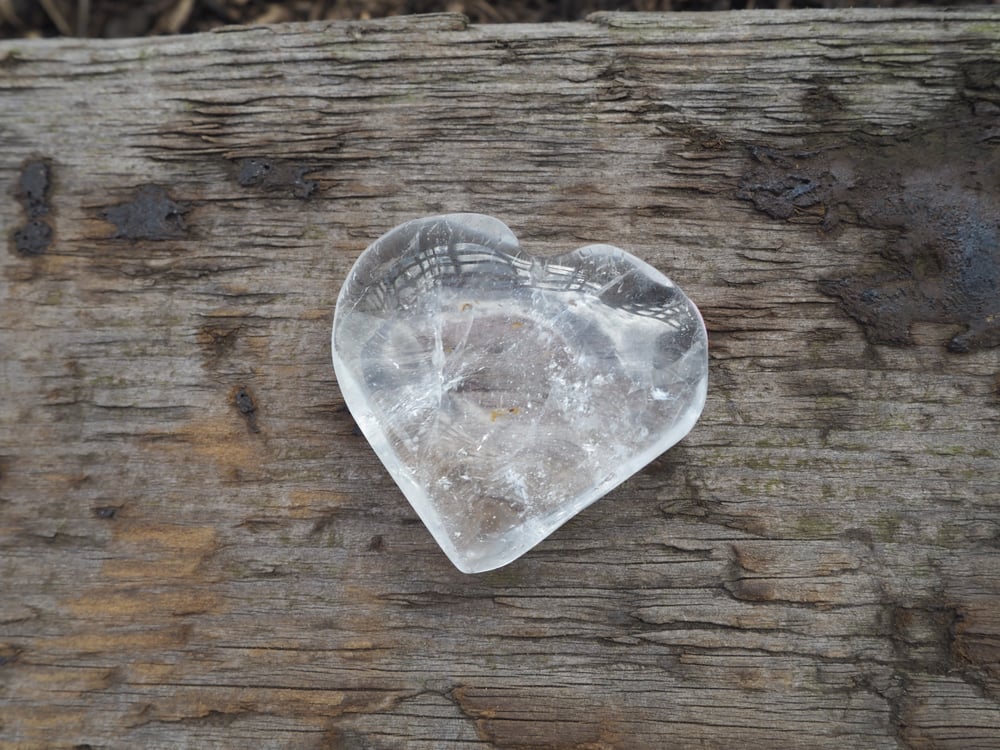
277,176
34,238
151,215
34,187
245,405
938,193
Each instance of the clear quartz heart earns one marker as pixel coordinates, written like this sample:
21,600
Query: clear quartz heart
504,392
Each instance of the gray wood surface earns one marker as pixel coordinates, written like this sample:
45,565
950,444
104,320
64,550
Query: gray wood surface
198,548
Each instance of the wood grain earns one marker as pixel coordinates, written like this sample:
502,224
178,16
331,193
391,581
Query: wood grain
199,549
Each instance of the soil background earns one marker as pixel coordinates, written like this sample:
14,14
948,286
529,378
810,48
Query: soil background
121,18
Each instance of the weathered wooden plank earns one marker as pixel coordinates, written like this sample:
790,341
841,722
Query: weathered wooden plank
199,548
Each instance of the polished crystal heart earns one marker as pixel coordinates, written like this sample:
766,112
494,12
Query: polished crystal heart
504,392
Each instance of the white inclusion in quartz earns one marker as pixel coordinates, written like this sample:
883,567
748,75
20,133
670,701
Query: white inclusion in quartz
503,392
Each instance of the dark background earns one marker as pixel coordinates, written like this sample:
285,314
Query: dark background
117,18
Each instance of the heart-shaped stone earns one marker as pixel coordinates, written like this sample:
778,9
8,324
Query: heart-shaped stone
503,392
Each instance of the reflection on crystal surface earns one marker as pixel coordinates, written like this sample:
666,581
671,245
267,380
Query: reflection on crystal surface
503,392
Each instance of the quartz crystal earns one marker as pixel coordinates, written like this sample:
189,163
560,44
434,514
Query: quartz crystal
504,392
